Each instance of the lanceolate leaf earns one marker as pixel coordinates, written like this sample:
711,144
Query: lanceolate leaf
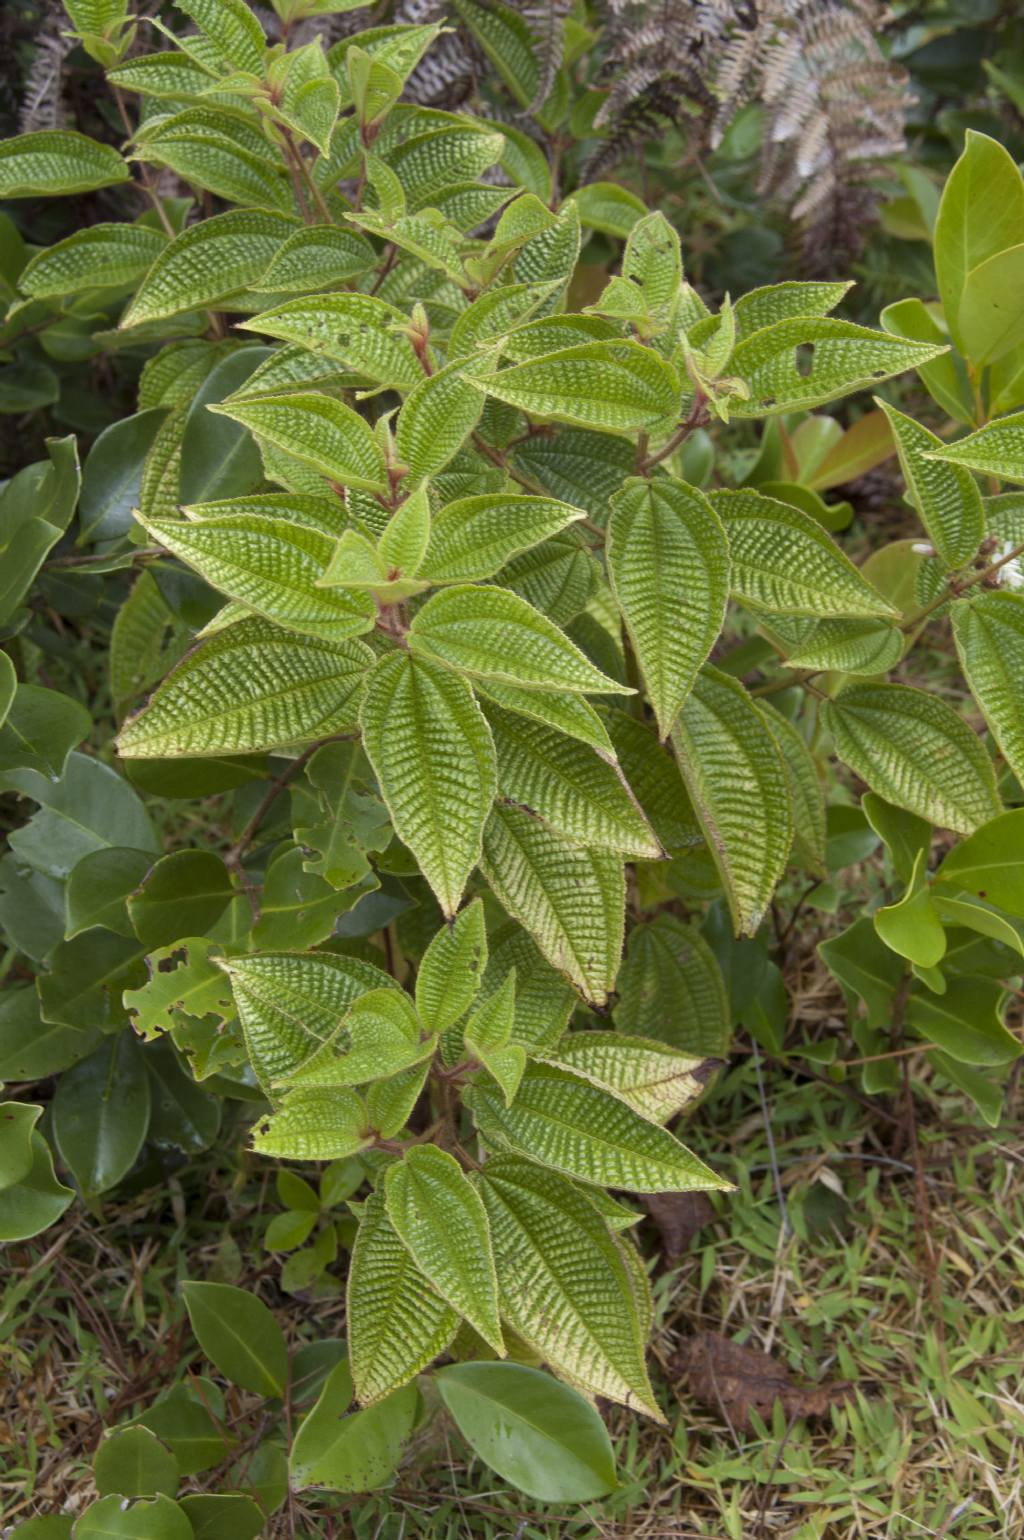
354,329
397,1322
322,433
564,1122
946,495
571,900
435,420
290,1004
654,1080
564,1283
989,633
270,565
619,387
783,561
249,688
914,750
569,787
995,450
487,631
433,756
208,261
738,785
839,359
452,968
439,1217
475,536
671,988
668,561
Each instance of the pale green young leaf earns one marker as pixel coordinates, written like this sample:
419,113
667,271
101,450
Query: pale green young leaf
432,753
355,329
99,256
208,261
571,788
488,631
945,495
290,1004
783,561
356,564
397,1321
571,900
671,988
231,28
250,688
652,259
309,95
914,750
317,257
731,765
564,1285
989,634
390,1102
843,358
435,420
570,714
784,301
668,561
324,512
320,432
474,537
452,967
945,378
807,792
405,537
840,646
653,1079
270,565
487,1038
315,1124
379,1035
440,1219
912,927
55,163
995,450
544,1001
567,1124
618,387
981,212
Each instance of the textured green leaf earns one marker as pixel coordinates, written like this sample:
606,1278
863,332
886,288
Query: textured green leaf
323,513
668,560
316,257
452,967
354,329
487,631
475,536
914,750
981,212
55,162
946,496
440,1219
487,1036
842,646
571,900
250,687
989,634
390,1102
174,77
653,1079
208,261
432,753
201,154
671,988
290,1004
843,358
397,1322
618,387
653,773
995,450
100,256
544,1438
378,1036
564,1282
271,566
435,420
563,1122
544,1001
570,714
807,793
571,788
231,28
783,561
320,432
239,1336
315,1124
783,301
732,766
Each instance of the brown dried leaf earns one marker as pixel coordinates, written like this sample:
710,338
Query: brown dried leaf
735,1381
678,1216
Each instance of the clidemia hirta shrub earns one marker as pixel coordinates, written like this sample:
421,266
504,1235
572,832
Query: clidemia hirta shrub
524,659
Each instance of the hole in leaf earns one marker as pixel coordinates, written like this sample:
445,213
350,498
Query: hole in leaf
767,400
804,359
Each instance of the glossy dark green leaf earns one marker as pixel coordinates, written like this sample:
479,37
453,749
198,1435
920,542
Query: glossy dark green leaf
98,887
101,1113
184,894
135,1463
239,1335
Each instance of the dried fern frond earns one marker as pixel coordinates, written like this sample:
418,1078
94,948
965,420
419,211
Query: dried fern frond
43,104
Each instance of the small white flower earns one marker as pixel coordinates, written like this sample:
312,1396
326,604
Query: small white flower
1012,575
